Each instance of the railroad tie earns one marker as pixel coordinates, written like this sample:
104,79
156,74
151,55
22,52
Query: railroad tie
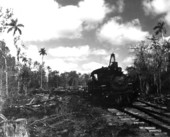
138,122
154,130
160,134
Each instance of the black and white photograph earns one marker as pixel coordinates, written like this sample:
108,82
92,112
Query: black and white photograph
84,68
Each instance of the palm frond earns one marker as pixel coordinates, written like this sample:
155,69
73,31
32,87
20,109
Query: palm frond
20,25
16,20
9,24
12,23
156,27
157,32
10,29
20,32
42,51
15,31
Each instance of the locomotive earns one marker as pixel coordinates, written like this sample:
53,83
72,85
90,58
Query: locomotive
110,86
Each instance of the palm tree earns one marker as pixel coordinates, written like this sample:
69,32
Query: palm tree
160,29
42,53
15,26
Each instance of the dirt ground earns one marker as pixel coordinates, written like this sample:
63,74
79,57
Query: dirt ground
68,116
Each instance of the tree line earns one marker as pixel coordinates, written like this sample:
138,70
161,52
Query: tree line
19,74
152,62
26,75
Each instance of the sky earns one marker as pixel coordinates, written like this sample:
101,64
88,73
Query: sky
80,35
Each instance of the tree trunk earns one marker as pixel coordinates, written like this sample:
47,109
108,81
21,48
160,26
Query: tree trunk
1,73
18,81
41,71
25,88
6,76
41,77
160,82
6,86
156,83
140,80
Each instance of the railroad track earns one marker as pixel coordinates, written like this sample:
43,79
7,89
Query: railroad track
154,119
161,107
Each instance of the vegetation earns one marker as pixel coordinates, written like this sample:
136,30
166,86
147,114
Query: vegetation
27,74
152,60
15,26
42,53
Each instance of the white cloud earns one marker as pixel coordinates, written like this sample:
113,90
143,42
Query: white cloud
93,10
99,52
61,65
75,52
157,7
118,33
70,58
69,51
46,19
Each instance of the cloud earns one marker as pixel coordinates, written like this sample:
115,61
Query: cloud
91,66
129,60
99,52
75,52
61,65
157,7
93,10
46,19
71,58
69,51
118,33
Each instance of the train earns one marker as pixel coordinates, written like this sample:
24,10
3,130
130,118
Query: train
110,86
